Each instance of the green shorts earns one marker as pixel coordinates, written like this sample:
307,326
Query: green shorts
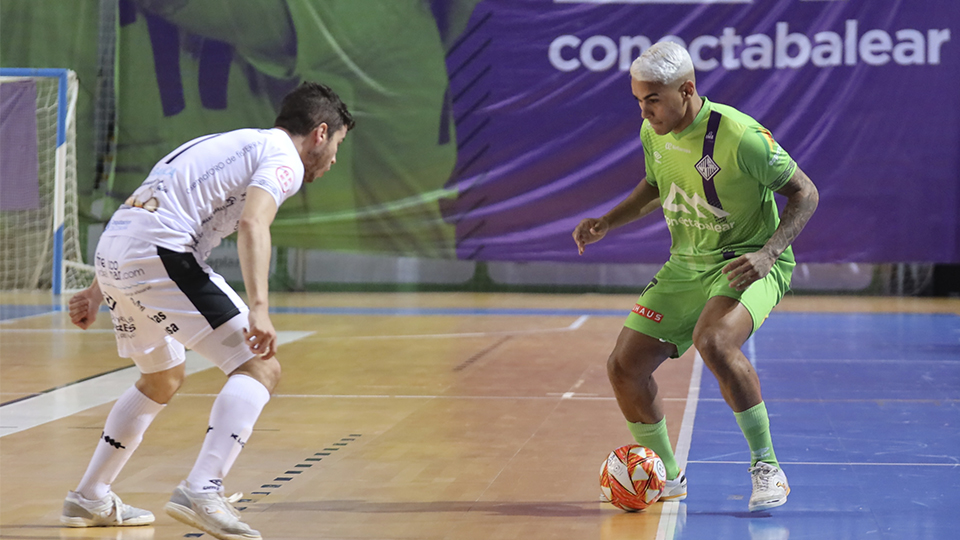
668,308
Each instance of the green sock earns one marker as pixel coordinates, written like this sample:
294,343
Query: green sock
655,437
755,425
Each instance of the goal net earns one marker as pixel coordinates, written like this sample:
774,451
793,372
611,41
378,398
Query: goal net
39,230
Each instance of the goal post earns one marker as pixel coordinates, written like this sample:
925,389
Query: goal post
39,225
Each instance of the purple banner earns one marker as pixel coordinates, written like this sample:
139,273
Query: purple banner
864,97
19,180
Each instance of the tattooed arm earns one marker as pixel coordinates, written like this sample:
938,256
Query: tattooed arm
802,198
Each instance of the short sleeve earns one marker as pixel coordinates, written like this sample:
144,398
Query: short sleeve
647,154
764,159
280,174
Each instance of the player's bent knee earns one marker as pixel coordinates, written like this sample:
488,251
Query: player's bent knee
615,371
637,356
622,366
162,385
713,344
267,372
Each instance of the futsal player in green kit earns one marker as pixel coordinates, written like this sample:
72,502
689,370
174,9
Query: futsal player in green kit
714,171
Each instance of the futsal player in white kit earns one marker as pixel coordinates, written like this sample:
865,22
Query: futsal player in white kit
163,297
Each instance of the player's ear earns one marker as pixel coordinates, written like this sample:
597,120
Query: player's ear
322,133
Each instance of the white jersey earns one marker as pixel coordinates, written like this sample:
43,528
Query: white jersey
194,196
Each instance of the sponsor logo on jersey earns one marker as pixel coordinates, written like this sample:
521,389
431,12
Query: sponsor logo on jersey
285,177
657,156
227,203
678,201
648,313
671,146
143,198
117,224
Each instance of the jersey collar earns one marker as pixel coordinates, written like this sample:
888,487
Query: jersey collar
701,117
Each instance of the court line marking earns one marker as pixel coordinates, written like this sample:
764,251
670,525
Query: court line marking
25,317
55,330
575,325
582,314
476,357
447,311
572,326
550,396
60,402
68,400
835,463
509,312
553,395
570,394
857,361
667,528
579,322
31,395
507,463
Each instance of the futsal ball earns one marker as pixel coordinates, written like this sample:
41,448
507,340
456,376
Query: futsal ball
632,477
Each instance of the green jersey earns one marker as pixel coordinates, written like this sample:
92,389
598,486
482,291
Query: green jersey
716,181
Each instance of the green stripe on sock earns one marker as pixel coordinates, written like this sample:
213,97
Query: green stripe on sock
656,438
755,425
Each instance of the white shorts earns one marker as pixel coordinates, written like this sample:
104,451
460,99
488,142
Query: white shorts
162,301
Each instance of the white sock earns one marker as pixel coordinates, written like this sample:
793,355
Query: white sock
128,420
232,417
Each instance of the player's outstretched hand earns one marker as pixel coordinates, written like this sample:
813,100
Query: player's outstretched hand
84,306
745,269
260,335
589,231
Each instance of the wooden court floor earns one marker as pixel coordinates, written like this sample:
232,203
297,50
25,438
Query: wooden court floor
402,416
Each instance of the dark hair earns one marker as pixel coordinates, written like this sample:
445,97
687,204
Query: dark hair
310,105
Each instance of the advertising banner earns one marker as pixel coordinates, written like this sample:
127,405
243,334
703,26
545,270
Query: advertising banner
862,95
487,129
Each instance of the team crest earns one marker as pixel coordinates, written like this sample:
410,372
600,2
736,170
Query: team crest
285,177
707,168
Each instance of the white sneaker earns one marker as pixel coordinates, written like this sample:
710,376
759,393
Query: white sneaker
212,513
770,488
78,511
676,489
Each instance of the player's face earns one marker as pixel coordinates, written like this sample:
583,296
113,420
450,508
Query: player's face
322,156
661,105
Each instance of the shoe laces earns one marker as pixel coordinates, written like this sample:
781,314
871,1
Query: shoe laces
228,502
116,505
761,476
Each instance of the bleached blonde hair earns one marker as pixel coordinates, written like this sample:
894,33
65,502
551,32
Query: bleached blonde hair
665,62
